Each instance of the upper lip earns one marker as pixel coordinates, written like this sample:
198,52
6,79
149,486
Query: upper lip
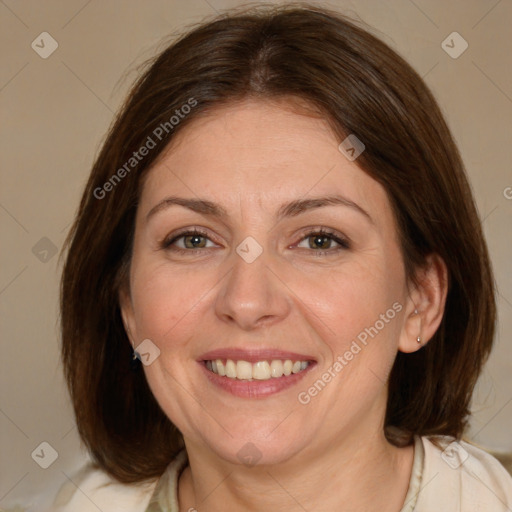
253,355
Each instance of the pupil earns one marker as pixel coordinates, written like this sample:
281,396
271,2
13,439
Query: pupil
319,239
194,240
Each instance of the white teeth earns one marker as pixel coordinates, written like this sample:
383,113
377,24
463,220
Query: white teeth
230,369
221,369
261,370
276,368
243,370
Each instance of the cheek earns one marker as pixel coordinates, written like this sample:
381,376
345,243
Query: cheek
166,302
349,298
358,302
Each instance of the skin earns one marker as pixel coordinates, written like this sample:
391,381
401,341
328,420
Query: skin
329,454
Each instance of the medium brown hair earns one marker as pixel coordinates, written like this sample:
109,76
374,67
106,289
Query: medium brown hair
362,87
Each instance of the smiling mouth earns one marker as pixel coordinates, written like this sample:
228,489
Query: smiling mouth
259,370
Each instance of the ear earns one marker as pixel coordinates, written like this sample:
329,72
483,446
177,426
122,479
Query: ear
126,307
425,305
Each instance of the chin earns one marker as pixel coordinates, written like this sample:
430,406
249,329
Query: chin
251,448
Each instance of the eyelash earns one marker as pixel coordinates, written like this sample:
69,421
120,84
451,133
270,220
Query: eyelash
320,232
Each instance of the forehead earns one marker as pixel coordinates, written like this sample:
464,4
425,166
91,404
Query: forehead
258,153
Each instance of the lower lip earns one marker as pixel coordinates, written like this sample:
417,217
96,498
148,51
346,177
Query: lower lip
255,388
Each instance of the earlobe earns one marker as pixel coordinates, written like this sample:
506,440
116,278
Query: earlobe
425,305
418,338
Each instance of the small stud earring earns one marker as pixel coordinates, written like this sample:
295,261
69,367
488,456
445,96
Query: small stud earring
135,361
418,339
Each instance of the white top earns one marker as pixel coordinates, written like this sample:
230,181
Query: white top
462,477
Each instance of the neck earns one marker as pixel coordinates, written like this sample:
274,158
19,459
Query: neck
360,472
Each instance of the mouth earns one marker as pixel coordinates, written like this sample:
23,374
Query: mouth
255,374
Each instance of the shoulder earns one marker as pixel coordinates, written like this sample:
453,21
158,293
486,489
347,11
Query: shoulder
92,489
460,476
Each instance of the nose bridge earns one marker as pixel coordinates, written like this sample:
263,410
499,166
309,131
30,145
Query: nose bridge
251,293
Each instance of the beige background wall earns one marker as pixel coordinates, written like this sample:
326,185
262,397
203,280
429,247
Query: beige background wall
55,112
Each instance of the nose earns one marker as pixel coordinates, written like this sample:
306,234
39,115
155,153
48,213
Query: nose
252,295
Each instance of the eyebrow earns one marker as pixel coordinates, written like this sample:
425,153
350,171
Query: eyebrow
291,209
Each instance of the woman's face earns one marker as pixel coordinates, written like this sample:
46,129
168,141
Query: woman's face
260,286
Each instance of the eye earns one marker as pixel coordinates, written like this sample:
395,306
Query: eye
187,241
321,241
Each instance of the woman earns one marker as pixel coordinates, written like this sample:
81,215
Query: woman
277,293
